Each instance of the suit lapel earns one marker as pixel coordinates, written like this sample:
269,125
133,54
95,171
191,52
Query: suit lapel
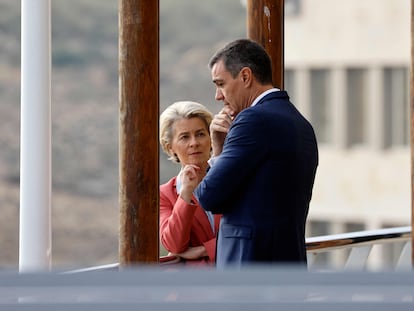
203,223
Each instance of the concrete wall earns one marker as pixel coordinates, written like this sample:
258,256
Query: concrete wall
358,185
352,31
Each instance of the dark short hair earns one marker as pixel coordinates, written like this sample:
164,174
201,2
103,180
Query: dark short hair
245,53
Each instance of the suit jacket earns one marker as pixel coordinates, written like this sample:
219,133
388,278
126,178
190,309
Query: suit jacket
184,225
262,184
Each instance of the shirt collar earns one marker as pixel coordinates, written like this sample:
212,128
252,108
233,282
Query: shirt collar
258,98
178,183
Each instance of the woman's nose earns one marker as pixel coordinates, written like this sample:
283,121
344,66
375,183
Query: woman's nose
193,141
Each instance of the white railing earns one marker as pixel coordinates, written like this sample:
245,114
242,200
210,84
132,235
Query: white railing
365,250
384,249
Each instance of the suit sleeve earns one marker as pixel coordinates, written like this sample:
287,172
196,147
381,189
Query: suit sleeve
175,223
243,149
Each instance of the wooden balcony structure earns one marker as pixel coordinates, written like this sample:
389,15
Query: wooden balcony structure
139,108
138,116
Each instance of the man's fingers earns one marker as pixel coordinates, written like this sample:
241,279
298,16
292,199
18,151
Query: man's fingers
221,123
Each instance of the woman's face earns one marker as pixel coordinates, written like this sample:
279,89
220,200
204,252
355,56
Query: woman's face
191,141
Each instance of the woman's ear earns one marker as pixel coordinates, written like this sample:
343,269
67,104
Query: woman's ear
169,148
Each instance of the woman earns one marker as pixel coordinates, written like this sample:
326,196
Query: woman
186,230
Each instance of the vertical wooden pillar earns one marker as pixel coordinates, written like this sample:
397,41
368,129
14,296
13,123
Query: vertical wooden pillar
138,131
265,25
412,130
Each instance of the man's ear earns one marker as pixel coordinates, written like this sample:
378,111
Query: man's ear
246,76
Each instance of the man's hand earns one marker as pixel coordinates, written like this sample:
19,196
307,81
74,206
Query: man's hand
219,128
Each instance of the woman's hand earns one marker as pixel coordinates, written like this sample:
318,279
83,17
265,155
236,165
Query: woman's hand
190,178
192,253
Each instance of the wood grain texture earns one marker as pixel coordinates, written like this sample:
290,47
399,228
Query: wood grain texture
138,131
265,25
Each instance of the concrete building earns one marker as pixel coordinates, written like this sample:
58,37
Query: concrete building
348,70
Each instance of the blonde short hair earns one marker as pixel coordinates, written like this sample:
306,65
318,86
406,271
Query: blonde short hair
176,111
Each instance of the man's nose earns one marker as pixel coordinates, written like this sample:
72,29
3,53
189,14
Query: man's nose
219,95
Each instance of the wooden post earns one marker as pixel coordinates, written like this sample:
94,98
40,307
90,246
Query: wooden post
138,131
412,130
265,25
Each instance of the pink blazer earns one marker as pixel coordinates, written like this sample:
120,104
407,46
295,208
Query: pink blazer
184,225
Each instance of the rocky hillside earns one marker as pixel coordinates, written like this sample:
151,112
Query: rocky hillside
85,113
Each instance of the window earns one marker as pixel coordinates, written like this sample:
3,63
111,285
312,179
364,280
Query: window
320,105
356,106
354,227
396,106
390,252
292,7
320,228
290,86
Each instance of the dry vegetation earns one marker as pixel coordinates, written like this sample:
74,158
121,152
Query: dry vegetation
85,113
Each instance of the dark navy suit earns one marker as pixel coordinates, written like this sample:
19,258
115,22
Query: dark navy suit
262,184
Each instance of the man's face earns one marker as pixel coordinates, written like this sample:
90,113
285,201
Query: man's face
228,89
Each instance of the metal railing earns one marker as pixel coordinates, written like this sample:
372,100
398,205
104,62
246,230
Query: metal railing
392,248
356,251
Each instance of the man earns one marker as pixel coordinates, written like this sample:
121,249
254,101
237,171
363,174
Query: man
264,164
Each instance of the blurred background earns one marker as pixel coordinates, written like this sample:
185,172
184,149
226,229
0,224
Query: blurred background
85,113
347,69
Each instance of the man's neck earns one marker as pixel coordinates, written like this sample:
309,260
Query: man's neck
264,91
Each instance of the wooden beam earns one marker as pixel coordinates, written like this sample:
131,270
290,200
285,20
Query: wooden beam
265,25
138,131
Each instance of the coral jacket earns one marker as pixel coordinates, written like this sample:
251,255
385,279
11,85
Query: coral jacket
184,225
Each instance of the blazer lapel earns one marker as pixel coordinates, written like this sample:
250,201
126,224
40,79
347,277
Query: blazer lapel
203,223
